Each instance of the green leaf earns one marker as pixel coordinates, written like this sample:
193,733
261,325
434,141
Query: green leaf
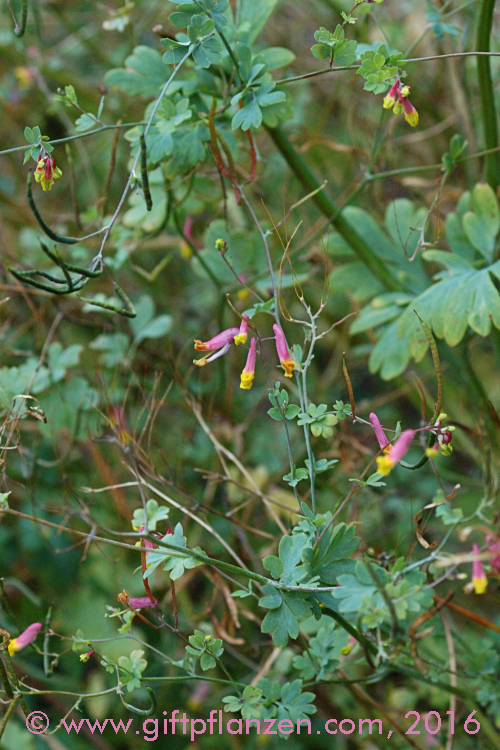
321,51
175,562
253,17
131,669
154,512
144,73
289,608
345,52
249,116
481,225
322,560
275,57
85,122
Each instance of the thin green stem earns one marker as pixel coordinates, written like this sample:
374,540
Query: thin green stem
487,94
408,61
76,136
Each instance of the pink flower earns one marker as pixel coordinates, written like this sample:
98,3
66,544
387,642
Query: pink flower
242,335
494,547
142,602
479,580
219,344
46,171
411,114
25,638
379,432
248,372
286,361
390,97
222,339
387,462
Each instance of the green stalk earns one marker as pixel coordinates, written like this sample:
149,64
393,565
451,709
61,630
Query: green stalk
326,205
486,93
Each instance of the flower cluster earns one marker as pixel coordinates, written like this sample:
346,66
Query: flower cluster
397,100
47,171
222,342
444,435
25,638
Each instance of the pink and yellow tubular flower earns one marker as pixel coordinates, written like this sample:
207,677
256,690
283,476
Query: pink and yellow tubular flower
397,100
379,432
286,361
219,344
479,580
248,372
391,96
411,114
387,462
25,638
242,335
47,171
216,342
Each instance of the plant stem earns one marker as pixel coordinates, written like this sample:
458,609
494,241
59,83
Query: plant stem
487,94
326,205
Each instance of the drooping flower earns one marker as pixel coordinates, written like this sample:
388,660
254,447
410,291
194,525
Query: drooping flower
379,432
411,114
142,602
479,580
219,344
221,339
388,461
47,171
242,335
444,436
25,638
248,372
397,100
85,657
286,361
391,96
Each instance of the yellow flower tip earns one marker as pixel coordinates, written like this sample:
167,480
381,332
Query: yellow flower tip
480,584
385,465
240,338
389,101
186,251
346,650
199,362
398,108
412,118
431,453
246,380
405,91
446,450
442,416
289,367
13,647
243,294
200,346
